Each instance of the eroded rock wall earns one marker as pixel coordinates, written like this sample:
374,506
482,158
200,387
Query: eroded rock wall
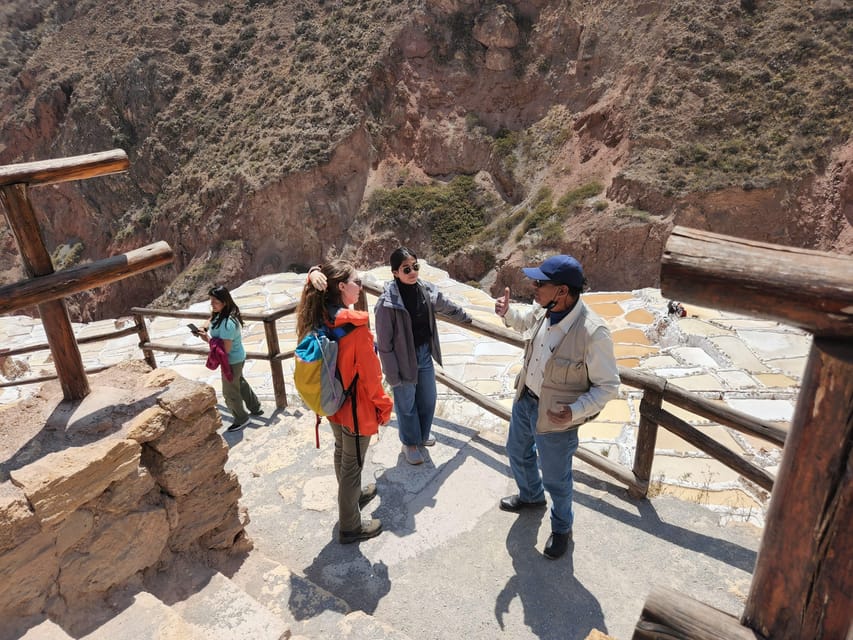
97,501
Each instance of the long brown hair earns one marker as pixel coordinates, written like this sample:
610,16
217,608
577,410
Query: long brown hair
230,310
311,312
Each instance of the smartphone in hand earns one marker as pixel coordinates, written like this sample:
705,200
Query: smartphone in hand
193,329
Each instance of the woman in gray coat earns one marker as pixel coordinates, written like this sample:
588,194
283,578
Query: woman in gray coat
407,339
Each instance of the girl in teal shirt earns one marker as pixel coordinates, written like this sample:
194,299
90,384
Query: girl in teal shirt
226,323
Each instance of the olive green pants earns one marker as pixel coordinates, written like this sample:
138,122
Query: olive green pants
238,392
348,472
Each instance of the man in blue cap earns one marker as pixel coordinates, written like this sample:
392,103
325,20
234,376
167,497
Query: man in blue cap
569,374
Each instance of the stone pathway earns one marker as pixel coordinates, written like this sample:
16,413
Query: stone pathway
752,365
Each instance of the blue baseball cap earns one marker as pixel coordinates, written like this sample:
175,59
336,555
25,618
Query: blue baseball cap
561,269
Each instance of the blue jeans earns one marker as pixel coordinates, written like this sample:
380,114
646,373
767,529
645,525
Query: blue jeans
415,403
555,452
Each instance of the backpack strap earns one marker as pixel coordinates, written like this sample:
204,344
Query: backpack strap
317,430
336,333
351,393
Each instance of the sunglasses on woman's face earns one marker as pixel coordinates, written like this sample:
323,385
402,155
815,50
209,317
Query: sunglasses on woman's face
356,282
408,269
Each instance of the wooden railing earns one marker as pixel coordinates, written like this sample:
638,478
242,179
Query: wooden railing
802,585
655,390
273,354
33,348
44,286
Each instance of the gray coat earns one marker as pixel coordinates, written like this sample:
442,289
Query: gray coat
394,337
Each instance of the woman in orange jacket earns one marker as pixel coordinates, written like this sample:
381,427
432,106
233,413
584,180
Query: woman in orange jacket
325,304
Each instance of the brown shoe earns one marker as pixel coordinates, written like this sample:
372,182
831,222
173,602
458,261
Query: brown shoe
368,530
368,493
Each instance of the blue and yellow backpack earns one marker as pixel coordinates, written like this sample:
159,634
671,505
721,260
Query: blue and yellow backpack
316,372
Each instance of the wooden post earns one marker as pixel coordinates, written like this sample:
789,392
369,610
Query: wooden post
276,370
54,315
142,331
803,581
647,435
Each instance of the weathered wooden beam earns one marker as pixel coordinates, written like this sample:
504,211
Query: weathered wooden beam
54,315
707,444
197,351
812,290
642,380
61,284
286,355
715,411
205,315
492,406
45,172
802,585
177,313
671,615
737,420
39,379
590,457
40,346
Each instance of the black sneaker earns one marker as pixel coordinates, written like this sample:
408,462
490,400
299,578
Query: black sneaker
514,504
557,545
368,530
238,426
257,412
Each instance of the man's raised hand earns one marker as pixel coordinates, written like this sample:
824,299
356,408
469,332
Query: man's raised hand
502,303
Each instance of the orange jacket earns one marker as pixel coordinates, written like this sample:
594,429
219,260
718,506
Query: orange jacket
357,354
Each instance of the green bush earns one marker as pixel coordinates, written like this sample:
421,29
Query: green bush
552,232
505,143
635,214
453,212
569,201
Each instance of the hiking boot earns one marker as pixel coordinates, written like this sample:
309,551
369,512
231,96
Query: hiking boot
429,442
515,504
368,530
413,455
368,493
557,545
238,426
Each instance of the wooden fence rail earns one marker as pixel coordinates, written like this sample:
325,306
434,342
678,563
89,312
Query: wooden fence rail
273,354
802,585
656,390
61,284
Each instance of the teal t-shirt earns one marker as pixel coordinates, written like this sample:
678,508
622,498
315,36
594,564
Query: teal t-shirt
229,329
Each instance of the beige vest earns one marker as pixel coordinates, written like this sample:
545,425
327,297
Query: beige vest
565,376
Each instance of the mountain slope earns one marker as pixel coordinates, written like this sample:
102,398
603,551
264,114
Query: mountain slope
267,134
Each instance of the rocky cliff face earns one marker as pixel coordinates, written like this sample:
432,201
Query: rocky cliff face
266,136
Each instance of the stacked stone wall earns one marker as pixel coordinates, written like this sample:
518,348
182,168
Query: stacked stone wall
80,520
